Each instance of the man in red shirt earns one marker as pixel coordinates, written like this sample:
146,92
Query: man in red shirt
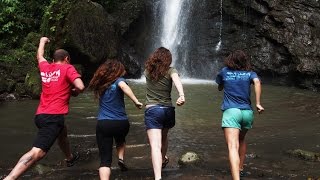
59,81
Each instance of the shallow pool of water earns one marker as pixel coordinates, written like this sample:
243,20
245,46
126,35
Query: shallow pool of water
290,121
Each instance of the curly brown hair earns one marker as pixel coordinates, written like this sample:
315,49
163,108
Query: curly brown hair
238,60
105,75
158,63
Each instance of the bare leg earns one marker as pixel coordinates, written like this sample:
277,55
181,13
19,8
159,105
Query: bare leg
121,150
64,144
154,136
232,139
25,162
164,142
104,173
242,147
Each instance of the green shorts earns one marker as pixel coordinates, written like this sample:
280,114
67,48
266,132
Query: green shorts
237,118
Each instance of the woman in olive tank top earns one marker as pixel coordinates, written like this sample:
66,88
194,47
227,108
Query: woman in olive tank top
160,112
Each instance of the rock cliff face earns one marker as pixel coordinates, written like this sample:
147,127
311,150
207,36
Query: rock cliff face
90,34
286,45
281,36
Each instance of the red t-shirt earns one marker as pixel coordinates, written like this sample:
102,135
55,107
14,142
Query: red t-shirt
57,82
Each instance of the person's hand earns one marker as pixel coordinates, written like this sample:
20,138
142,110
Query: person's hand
74,92
180,100
139,105
260,109
44,40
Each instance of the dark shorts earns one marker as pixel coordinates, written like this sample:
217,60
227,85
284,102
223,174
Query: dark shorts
159,117
106,131
49,128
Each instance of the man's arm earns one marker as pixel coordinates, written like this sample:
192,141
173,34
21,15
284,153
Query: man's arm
40,52
78,87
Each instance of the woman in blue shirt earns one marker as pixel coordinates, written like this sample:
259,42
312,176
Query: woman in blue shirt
109,87
235,79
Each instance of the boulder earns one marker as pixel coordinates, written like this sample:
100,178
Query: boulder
305,155
189,159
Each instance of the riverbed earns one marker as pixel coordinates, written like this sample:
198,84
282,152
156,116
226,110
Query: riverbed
290,121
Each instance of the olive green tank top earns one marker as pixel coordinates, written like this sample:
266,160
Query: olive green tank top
159,92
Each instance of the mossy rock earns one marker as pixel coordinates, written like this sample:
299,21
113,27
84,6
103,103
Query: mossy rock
83,28
305,155
33,83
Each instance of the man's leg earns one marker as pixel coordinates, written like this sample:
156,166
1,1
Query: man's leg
242,147
64,144
25,162
154,136
232,140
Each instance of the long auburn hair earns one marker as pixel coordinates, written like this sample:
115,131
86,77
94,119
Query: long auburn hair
105,75
158,63
238,60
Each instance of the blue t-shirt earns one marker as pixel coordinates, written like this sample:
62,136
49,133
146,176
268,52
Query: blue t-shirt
111,105
236,86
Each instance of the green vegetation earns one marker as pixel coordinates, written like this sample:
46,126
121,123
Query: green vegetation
17,19
110,5
22,24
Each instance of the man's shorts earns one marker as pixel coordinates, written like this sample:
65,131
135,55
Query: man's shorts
237,118
159,117
49,128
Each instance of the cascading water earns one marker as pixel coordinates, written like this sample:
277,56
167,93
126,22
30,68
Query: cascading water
218,46
192,32
171,27
169,30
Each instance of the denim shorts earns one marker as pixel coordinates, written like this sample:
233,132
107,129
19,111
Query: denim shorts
237,118
159,117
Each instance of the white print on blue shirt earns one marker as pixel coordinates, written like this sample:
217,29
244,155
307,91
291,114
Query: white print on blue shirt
237,76
113,87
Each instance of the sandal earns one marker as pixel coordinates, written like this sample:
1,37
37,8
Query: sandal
75,157
122,166
243,173
165,162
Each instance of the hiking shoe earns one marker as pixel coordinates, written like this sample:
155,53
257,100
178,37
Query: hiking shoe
122,166
75,157
165,162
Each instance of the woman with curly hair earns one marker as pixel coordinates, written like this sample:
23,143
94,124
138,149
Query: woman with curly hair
109,88
236,79
160,113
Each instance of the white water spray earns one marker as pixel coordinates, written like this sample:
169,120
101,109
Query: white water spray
218,46
171,26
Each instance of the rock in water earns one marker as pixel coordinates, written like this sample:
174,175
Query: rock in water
189,158
305,155
41,169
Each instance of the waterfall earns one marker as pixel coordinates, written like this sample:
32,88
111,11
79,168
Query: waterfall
185,27
171,26
174,18
218,46
170,37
